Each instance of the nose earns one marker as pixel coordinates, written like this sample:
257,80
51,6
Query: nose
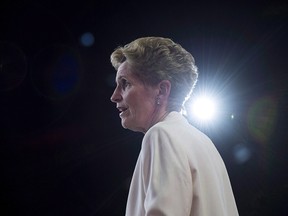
116,96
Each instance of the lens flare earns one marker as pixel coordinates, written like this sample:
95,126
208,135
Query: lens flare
204,108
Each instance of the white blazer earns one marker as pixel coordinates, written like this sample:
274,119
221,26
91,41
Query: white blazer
179,172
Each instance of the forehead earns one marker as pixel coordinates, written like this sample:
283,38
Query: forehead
124,71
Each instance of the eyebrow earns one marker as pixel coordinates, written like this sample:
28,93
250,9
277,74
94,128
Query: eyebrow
120,77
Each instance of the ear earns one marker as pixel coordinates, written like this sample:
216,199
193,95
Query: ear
164,88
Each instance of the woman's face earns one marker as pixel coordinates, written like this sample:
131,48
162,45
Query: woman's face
135,101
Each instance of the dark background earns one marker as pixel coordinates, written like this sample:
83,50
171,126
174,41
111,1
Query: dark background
63,150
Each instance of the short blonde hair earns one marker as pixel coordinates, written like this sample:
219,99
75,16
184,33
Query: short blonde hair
153,59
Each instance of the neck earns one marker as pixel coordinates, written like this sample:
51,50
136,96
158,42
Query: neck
158,116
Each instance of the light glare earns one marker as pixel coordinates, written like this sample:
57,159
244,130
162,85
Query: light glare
204,108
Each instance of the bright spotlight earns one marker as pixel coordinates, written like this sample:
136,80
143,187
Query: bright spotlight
204,108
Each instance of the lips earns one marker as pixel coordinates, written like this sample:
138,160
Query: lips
122,110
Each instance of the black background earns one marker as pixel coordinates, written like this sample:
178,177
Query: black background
63,150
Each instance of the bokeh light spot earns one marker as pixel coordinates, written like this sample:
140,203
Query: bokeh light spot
241,153
87,39
56,72
261,118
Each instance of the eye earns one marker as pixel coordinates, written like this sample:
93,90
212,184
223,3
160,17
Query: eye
124,83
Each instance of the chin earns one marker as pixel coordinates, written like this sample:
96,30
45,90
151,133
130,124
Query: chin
130,126
125,124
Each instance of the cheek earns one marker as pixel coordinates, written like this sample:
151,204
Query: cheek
139,108
140,104
145,108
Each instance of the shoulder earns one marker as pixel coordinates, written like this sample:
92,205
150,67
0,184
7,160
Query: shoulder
175,130
162,135
159,131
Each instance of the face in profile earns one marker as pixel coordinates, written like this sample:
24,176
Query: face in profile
134,100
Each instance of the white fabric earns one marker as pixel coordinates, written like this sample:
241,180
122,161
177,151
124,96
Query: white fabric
179,172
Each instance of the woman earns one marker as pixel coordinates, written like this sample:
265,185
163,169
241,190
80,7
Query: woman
179,172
